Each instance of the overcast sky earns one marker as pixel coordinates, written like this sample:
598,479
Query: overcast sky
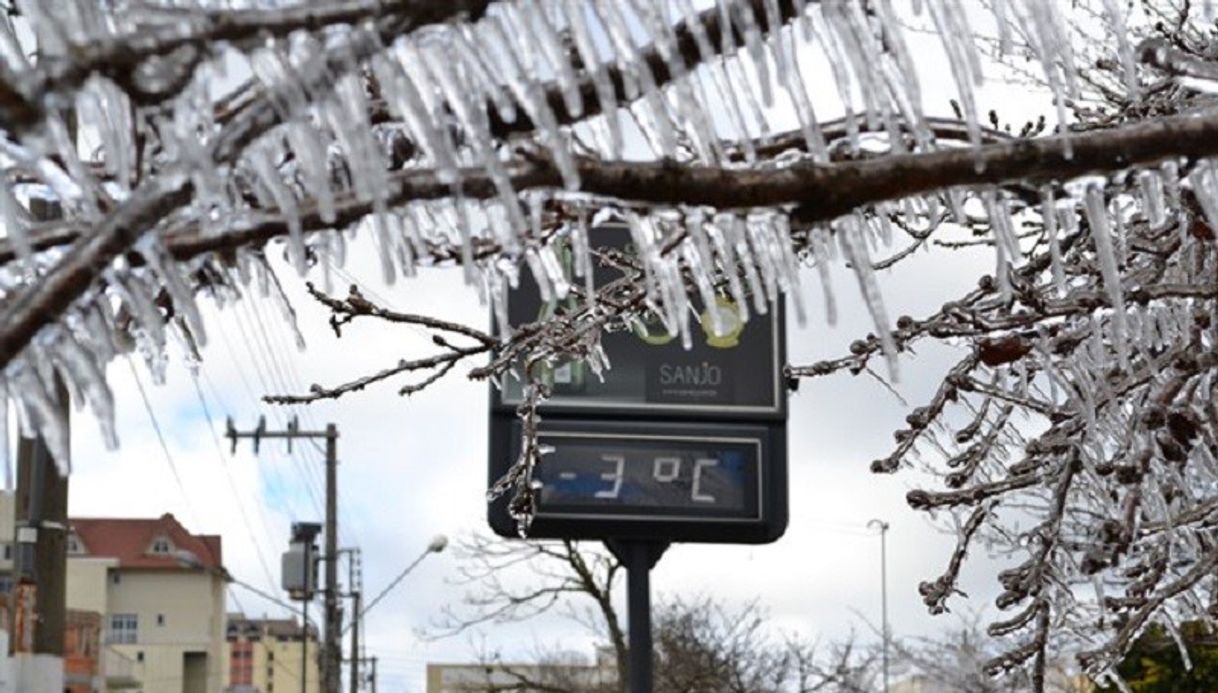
412,468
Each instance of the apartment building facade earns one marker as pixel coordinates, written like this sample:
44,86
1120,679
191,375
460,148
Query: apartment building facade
162,620
271,655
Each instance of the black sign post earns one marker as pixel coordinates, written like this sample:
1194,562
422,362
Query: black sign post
673,445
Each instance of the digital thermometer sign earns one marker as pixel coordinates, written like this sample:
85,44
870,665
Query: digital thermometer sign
681,481
673,444
682,478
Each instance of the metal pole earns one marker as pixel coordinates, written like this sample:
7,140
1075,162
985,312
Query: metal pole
40,561
639,619
304,640
355,606
333,655
638,557
374,675
883,592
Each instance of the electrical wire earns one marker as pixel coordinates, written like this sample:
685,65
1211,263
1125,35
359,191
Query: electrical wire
232,485
156,426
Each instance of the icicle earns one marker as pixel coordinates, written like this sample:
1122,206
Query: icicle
1205,189
552,47
91,377
577,20
855,249
140,304
15,221
962,58
51,423
314,168
1116,24
581,247
644,247
472,120
1153,202
702,279
820,254
1101,235
793,81
1006,245
653,99
746,22
1048,215
176,285
531,95
764,258
735,228
473,60
727,264
266,173
404,99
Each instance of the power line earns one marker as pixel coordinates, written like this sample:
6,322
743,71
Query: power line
256,353
232,485
156,426
249,391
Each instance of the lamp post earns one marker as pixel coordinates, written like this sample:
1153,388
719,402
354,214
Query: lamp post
883,527
438,543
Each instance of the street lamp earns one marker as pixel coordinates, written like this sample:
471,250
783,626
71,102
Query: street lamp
883,527
438,544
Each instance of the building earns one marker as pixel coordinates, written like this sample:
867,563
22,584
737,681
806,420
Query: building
265,655
162,619
564,672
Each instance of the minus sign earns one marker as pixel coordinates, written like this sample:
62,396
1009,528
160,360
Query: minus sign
566,476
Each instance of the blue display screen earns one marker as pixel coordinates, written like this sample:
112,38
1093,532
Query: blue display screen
659,477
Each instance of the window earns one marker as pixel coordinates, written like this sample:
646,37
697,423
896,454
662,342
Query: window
124,629
160,546
241,666
6,584
8,551
116,578
160,619
139,656
74,546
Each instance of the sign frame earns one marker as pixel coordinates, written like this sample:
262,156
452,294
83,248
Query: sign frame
772,508
565,414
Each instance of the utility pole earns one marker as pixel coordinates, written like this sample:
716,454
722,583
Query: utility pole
373,677
883,526
331,656
40,567
355,587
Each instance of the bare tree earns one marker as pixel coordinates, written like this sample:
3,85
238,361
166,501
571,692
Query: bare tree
156,152
701,645
511,581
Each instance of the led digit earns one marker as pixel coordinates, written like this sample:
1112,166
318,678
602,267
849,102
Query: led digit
696,494
666,469
619,462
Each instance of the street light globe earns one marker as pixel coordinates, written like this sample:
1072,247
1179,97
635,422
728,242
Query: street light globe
438,543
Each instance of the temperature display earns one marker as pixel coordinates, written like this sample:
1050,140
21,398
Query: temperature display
649,476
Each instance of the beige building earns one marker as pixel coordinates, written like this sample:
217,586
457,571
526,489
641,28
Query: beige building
564,672
265,656
162,621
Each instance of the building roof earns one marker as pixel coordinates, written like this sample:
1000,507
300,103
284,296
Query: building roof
255,628
130,540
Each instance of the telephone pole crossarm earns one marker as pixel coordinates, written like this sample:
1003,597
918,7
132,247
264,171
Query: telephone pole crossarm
331,658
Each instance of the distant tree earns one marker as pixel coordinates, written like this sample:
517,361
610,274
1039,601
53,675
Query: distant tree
700,646
1156,663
